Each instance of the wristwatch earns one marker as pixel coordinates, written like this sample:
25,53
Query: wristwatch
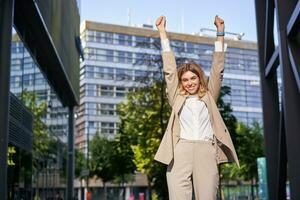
220,33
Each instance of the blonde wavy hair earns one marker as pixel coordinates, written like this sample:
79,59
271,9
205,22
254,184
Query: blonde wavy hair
196,69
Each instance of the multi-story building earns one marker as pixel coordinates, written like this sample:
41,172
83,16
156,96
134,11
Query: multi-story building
118,57
26,76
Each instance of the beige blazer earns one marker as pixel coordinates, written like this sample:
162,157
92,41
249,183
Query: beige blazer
225,148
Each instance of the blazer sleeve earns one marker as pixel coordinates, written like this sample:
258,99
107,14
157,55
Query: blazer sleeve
171,77
216,74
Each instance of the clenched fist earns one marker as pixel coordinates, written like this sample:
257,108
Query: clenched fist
161,23
219,23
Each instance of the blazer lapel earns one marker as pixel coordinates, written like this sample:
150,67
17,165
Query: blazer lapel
181,99
179,103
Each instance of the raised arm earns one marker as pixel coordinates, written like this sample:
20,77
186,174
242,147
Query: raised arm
169,63
217,68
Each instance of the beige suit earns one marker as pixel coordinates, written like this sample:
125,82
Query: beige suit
225,150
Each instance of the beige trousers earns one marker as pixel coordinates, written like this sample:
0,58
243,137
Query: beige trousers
194,165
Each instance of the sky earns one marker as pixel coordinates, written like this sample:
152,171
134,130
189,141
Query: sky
183,16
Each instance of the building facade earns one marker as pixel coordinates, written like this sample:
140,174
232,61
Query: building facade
118,58
26,76
30,152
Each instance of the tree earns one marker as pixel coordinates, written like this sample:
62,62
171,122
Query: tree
226,112
251,140
122,163
231,124
41,137
225,170
122,159
111,160
44,145
80,162
144,122
101,150
248,141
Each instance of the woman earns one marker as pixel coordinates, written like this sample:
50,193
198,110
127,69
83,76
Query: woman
196,139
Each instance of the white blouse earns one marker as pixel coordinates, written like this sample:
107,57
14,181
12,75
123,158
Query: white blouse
194,120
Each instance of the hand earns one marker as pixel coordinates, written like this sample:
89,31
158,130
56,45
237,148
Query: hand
161,23
219,23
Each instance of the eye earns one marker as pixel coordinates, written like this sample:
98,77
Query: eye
184,80
194,78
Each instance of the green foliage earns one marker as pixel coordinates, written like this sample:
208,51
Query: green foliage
101,164
251,140
144,116
122,158
249,147
43,143
80,163
226,112
228,171
248,142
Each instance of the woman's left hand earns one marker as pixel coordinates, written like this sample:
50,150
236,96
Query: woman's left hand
219,23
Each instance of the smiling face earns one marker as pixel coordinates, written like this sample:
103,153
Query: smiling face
190,82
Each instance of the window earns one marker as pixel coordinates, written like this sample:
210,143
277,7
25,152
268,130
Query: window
143,42
109,55
27,80
120,91
90,90
143,59
108,38
107,109
90,108
121,56
105,90
124,39
129,57
107,127
106,73
101,54
89,74
177,46
190,47
140,75
15,81
121,40
123,74
139,59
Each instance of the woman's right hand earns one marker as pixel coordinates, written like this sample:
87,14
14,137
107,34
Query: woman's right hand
161,23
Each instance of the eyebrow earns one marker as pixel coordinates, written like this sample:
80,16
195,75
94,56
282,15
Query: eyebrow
194,76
